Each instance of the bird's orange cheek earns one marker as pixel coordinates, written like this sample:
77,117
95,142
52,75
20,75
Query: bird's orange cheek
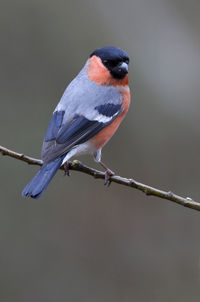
99,74
96,71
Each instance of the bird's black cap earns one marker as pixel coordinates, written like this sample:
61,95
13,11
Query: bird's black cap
111,53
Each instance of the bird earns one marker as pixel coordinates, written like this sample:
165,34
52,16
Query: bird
86,117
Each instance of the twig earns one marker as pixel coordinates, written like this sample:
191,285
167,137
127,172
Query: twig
78,166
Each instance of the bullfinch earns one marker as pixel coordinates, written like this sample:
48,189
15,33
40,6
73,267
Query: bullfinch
88,114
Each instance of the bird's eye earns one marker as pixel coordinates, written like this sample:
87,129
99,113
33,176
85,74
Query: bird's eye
110,63
113,63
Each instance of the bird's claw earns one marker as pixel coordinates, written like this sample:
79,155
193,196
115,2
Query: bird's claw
108,174
66,168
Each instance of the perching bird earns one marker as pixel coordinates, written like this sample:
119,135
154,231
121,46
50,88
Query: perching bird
88,114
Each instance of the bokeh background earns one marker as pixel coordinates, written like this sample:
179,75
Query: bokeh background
82,241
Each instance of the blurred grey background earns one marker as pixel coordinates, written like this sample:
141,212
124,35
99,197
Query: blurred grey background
82,241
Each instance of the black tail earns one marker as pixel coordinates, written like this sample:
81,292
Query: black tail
37,186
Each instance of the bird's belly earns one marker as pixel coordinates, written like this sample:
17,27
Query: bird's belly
85,148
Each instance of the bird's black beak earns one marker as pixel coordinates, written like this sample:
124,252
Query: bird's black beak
123,68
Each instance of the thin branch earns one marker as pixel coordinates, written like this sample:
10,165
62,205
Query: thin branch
78,166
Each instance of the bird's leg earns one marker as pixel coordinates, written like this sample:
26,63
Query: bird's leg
66,167
108,174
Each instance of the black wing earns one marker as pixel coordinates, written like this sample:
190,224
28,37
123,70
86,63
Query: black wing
60,138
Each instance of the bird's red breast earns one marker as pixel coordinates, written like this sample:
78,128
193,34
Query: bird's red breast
98,73
105,135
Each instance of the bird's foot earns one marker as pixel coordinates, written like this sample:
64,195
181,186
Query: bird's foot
108,174
66,167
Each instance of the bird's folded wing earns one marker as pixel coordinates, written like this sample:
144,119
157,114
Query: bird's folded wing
61,136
